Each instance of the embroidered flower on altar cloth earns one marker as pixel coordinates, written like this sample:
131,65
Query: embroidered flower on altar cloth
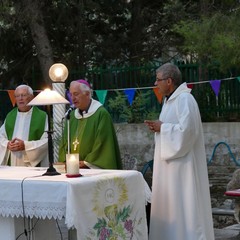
115,217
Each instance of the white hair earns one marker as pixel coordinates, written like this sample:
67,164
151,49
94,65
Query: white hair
83,87
29,89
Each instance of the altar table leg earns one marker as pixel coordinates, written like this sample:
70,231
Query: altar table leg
72,234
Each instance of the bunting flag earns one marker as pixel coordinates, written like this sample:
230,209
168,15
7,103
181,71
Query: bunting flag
101,94
11,96
130,93
158,94
215,84
69,97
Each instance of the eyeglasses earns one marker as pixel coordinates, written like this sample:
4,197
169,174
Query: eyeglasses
159,79
21,96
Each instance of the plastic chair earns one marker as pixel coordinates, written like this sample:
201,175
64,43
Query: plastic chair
146,166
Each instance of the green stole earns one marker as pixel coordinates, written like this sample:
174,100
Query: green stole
37,124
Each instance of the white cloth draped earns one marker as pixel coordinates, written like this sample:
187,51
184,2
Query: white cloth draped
42,198
115,198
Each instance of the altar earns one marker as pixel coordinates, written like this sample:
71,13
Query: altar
101,203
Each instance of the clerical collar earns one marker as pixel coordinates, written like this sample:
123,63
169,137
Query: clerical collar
167,97
81,112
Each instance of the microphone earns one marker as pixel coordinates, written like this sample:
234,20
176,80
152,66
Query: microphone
67,114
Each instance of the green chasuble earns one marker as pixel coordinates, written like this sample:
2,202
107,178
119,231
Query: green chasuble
37,124
96,138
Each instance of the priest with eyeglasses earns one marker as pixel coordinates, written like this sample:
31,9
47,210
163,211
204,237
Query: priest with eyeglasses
23,137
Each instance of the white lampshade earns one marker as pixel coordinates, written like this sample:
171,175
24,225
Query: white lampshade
58,72
48,97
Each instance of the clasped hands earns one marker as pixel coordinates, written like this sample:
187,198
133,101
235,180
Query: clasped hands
81,164
153,126
16,144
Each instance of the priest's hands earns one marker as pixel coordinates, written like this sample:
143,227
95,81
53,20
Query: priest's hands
82,164
154,126
16,144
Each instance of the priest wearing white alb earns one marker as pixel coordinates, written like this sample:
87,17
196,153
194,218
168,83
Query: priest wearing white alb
180,205
23,137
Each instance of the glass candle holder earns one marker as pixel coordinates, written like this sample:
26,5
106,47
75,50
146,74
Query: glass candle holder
72,165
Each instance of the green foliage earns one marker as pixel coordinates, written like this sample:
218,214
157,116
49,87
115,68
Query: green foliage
100,224
118,105
124,213
117,225
135,113
153,115
86,34
212,39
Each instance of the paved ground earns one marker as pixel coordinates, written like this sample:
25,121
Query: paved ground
228,233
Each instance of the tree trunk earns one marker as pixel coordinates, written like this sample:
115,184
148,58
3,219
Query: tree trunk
33,16
136,33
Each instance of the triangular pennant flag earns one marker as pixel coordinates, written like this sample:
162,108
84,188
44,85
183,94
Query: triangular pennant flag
69,97
238,78
215,84
189,85
101,94
130,93
11,95
158,95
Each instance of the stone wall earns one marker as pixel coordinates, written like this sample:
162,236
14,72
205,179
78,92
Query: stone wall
137,142
137,146
222,167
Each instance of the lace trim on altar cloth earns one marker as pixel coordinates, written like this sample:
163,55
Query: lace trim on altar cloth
33,209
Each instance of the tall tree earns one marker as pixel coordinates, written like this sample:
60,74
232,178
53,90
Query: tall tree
213,39
33,18
84,34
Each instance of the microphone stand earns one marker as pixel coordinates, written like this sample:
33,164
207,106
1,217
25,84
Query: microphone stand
68,130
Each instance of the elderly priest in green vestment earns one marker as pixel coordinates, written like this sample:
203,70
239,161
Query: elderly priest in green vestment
23,140
92,132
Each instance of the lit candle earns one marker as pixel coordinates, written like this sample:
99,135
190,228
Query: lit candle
72,164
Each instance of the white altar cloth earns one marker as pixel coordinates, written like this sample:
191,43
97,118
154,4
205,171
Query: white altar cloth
108,203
